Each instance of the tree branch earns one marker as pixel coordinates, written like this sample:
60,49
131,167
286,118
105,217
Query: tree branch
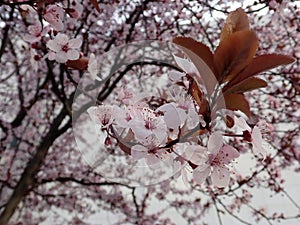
33,166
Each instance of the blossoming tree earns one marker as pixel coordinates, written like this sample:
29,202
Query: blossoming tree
175,108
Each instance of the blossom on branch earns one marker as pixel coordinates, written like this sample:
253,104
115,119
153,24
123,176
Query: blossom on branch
252,135
146,122
63,48
219,156
102,115
149,150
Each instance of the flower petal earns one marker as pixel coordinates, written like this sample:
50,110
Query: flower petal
257,142
62,39
152,160
227,154
174,76
138,151
241,123
73,54
201,173
51,56
75,43
53,45
198,154
139,130
215,142
171,115
220,176
61,57
186,65
57,25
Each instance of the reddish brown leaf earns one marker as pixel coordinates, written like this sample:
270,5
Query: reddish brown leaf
79,64
201,57
237,102
249,84
236,21
262,63
234,54
96,5
198,48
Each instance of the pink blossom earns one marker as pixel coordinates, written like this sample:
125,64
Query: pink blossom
175,76
147,123
192,153
149,150
180,112
53,15
219,156
123,116
35,33
255,135
186,65
64,49
125,95
102,115
173,116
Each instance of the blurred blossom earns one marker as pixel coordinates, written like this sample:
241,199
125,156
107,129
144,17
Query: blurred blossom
54,15
93,67
35,33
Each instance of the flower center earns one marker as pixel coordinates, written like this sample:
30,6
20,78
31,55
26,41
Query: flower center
65,48
213,160
149,124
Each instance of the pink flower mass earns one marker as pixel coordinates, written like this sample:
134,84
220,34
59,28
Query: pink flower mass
149,112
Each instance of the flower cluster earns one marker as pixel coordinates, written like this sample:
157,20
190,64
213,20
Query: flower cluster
174,127
50,30
202,107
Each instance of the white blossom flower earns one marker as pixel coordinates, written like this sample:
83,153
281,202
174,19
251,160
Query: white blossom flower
149,150
102,114
219,156
189,155
255,138
146,122
180,112
186,65
63,48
